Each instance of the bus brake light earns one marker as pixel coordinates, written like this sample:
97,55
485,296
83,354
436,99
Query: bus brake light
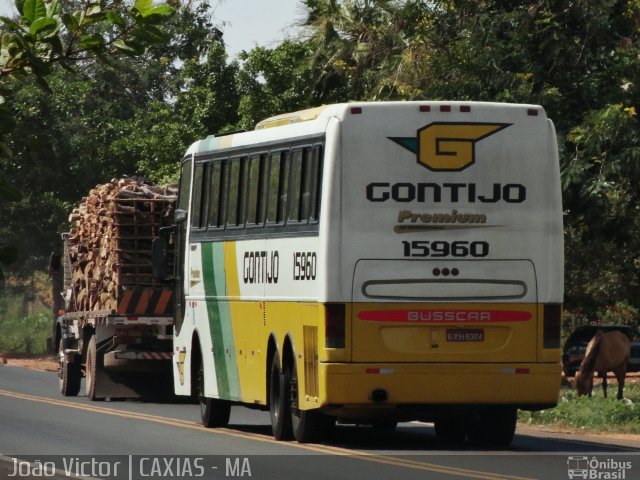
334,325
551,325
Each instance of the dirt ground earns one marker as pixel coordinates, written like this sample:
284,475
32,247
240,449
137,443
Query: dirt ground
47,363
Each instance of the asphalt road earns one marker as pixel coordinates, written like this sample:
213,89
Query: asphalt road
153,440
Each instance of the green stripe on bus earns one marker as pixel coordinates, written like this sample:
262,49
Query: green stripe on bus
220,321
213,312
220,277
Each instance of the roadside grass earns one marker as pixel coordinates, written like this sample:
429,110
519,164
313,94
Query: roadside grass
26,334
597,414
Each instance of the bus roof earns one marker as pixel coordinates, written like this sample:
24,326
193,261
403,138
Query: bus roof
314,120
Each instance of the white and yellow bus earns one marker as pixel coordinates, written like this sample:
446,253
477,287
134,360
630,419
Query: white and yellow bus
373,263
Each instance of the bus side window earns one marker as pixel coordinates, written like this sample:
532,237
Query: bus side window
185,184
308,175
278,186
257,180
283,186
274,177
197,205
243,186
264,185
217,194
214,194
232,205
316,184
296,180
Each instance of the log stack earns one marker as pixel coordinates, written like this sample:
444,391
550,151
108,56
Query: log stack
109,246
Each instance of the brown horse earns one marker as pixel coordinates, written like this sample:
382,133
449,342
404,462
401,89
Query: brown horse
605,352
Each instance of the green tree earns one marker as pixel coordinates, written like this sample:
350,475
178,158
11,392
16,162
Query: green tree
274,81
579,59
67,33
132,115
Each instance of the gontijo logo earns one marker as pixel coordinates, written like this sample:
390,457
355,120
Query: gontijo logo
448,146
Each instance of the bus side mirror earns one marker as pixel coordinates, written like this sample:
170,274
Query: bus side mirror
180,215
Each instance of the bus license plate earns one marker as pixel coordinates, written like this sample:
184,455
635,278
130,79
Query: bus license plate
465,335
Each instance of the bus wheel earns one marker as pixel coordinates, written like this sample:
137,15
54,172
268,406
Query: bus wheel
496,426
280,400
69,374
214,412
451,430
308,425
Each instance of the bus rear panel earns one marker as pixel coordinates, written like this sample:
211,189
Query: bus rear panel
447,255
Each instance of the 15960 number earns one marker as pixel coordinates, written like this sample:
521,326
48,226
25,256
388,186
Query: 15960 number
305,265
423,248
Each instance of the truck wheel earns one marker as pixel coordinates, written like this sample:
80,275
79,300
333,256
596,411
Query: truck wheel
308,425
91,369
280,401
214,412
69,374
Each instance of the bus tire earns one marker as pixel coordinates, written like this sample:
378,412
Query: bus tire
451,430
311,426
214,413
495,427
69,374
308,425
280,400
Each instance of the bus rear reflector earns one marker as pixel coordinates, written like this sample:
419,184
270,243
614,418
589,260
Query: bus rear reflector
515,371
356,110
334,327
380,371
551,326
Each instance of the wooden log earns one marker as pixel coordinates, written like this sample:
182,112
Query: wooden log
110,243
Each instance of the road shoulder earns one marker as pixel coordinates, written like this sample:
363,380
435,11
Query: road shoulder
618,439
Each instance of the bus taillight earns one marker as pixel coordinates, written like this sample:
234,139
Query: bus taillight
334,326
551,325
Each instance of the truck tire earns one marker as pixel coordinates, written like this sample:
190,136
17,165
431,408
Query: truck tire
69,374
214,412
280,400
91,369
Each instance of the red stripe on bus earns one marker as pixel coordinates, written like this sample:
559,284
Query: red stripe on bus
445,316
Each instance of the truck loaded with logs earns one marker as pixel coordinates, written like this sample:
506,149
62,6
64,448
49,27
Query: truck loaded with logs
113,317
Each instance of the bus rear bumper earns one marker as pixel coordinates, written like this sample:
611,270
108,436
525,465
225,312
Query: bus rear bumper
528,386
